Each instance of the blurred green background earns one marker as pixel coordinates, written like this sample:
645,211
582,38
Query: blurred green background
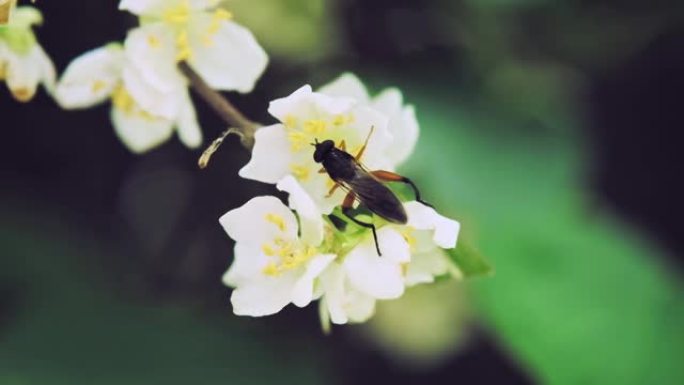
549,130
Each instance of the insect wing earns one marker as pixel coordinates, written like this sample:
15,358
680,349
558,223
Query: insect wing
377,197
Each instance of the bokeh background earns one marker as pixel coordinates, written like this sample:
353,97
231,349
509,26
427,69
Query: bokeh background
550,129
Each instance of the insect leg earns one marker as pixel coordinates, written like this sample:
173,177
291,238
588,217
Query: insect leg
363,148
332,190
388,176
347,205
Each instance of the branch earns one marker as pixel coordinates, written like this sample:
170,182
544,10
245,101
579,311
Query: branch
238,123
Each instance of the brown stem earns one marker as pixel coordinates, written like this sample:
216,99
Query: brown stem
237,122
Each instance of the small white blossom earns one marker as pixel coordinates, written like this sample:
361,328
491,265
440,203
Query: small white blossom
273,266
411,254
225,54
23,62
284,149
402,124
97,76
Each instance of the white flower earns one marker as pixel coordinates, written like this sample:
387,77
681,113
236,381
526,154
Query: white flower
273,266
23,62
411,254
402,119
285,149
225,54
97,76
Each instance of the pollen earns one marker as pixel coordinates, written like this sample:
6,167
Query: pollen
98,85
3,70
297,139
315,126
300,172
123,100
276,220
153,41
183,44
22,94
290,121
178,14
268,249
271,269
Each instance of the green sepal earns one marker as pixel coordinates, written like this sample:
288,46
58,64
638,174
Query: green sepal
469,261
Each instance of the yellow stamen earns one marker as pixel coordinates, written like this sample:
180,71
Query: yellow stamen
183,44
300,172
3,70
98,85
410,239
315,126
153,41
268,250
271,270
179,14
290,121
276,220
297,139
23,94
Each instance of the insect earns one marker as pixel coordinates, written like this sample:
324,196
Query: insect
362,185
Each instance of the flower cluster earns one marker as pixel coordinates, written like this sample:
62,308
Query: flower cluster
283,258
141,77
23,62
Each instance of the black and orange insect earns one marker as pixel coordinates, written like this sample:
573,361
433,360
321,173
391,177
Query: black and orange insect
362,185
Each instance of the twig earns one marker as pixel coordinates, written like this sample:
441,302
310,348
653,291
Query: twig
238,122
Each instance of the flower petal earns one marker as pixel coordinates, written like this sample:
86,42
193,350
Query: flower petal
151,49
341,301
23,74
263,297
91,78
270,155
421,217
260,220
227,59
424,267
165,104
310,217
248,264
305,102
189,131
140,132
379,276
347,85
48,74
402,124
302,294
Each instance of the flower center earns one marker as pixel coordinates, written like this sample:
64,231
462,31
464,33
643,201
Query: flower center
180,17
287,255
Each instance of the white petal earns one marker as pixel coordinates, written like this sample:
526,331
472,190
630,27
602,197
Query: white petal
347,85
91,78
302,293
402,124
23,75
48,74
189,131
151,49
248,264
159,103
304,102
342,302
424,267
249,223
379,276
310,217
270,155
140,132
263,297
230,58
422,217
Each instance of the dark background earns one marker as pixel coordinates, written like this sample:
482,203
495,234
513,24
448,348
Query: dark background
111,261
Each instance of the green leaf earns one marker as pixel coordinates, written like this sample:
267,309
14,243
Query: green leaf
469,261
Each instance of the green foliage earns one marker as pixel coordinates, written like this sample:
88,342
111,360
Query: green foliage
468,260
578,297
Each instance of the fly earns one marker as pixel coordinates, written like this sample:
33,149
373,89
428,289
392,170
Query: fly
362,185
